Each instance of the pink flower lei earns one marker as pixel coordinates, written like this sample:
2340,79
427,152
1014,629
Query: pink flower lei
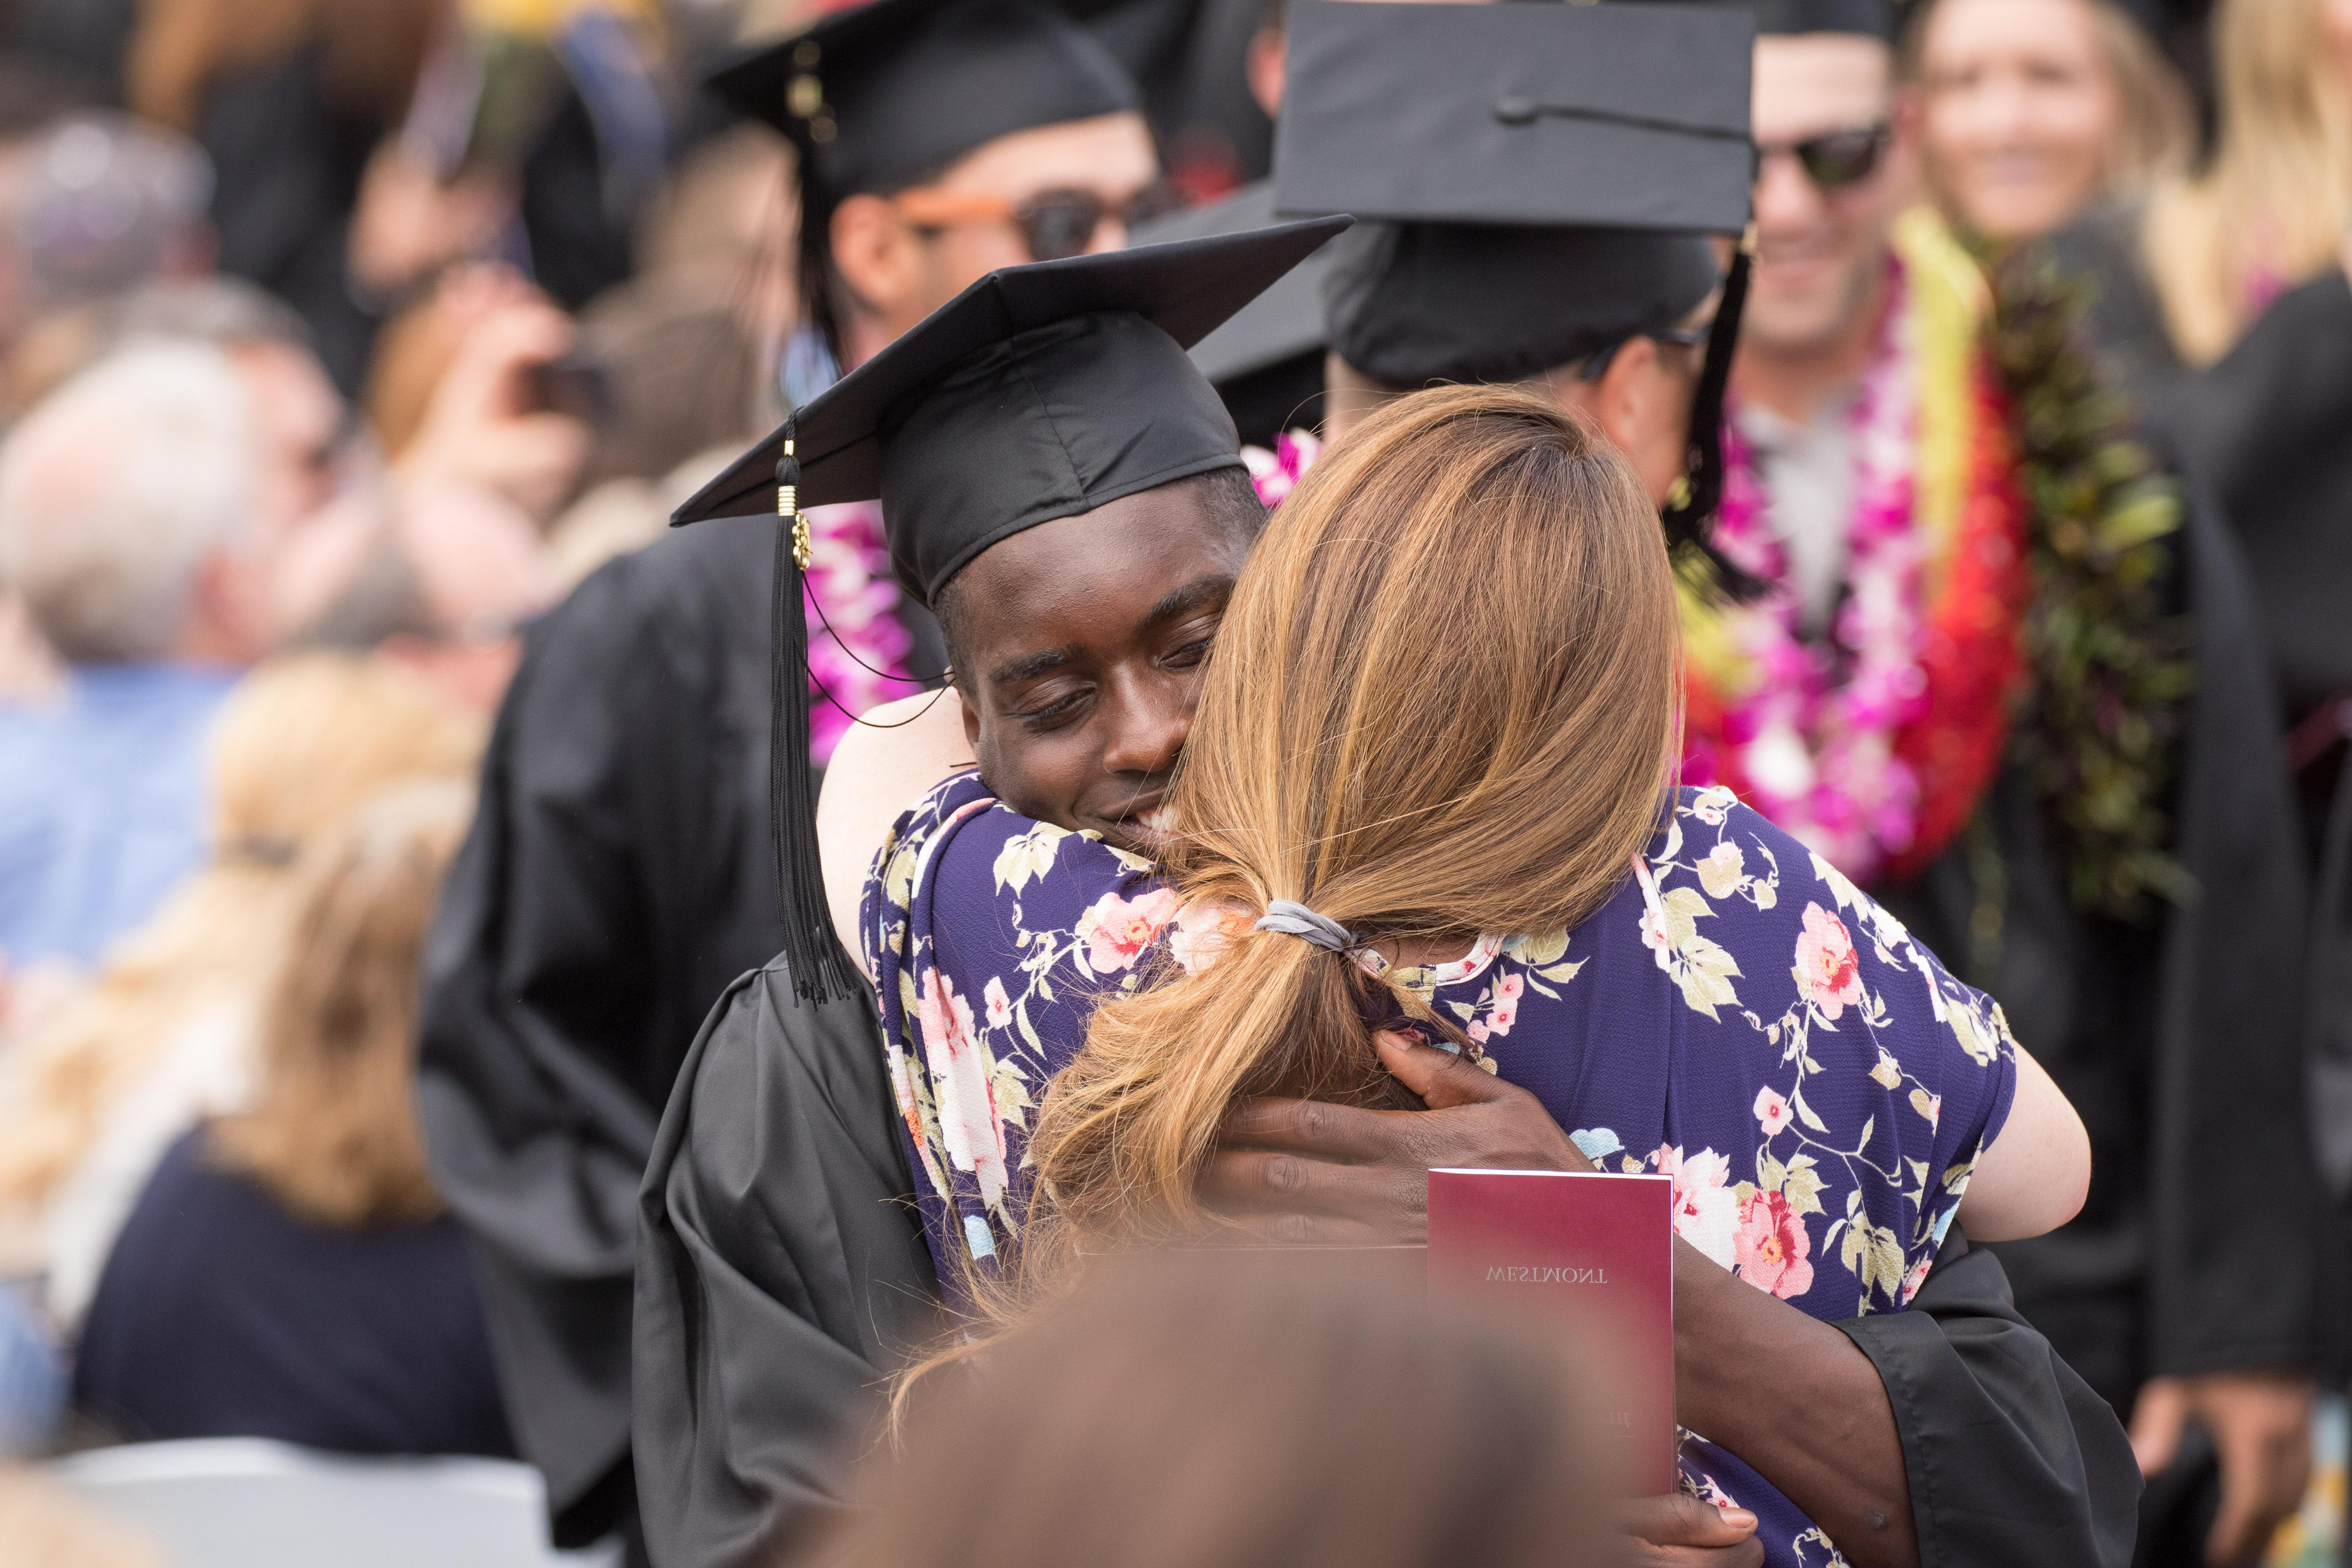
849,576
1811,739
1276,473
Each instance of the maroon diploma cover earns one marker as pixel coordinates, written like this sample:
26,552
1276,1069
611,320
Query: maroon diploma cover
1598,1250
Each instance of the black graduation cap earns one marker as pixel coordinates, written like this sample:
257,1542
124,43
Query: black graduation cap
1547,177
887,94
1038,393
1872,18
880,95
1267,363
1598,116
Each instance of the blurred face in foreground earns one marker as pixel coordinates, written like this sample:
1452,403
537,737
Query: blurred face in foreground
2021,113
1832,179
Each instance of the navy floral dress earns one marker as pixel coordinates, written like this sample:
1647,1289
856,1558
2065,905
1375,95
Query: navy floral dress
1737,1016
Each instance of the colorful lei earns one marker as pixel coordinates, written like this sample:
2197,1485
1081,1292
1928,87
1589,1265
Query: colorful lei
1276,473
1873,744
851,590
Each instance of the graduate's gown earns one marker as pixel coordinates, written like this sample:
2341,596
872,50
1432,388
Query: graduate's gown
618,879
786,1266
2185,1042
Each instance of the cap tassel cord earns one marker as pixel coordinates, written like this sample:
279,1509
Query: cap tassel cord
819,969
1699,491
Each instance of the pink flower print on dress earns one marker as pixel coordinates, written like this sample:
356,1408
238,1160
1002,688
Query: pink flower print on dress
1772,1246
1507,991
965,1098
1705,1209
1114,931
1915,1278
1203,931
999,1006
1828,973
1772,1110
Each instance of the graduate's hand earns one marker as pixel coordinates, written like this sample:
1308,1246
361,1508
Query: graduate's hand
1681,1531
1304,1173
2261,1423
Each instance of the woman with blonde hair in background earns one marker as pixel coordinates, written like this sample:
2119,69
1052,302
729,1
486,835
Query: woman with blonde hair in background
289,1271
2032,111
1421,838
164,1034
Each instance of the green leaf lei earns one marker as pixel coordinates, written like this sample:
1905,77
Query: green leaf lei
2098,730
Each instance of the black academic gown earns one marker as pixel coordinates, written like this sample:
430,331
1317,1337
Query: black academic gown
2179,1043
618,877
2271,425
785,1271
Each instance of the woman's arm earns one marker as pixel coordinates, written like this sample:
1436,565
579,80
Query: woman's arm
882,766
2033,1176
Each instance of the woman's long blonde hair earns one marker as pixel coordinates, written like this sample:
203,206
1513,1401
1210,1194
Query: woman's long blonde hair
332,1132
1442,702
2278,195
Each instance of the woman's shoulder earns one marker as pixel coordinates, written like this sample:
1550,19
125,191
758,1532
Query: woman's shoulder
960,849
1747,921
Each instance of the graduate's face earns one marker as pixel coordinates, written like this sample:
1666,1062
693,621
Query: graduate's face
1820,247
905,256
1084,640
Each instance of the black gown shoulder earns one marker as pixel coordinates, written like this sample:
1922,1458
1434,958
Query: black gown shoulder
784,1274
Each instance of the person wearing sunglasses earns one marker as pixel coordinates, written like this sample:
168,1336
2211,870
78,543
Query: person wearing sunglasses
1875,470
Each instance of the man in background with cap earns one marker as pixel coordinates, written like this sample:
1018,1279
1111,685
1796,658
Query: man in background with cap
2126,885
619,875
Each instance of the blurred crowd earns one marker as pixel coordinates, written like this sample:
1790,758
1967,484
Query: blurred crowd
341,339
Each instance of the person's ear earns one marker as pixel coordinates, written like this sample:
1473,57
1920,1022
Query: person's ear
879,257
1264,65
1631,395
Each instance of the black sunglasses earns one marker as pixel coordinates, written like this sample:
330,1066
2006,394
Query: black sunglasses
1835,159
1054,224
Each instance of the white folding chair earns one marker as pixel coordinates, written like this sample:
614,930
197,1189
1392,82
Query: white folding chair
246,1502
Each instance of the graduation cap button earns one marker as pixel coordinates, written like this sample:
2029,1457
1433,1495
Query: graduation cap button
1513,109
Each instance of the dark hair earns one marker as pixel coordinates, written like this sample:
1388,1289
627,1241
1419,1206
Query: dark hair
1226,496
1247,1410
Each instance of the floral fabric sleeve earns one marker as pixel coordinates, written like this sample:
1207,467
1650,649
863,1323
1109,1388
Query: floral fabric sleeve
1880,1078
991,938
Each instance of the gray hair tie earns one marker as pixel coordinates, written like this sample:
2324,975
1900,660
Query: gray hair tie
1296,919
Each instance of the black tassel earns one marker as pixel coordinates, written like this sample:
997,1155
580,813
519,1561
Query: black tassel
821,970
1688,514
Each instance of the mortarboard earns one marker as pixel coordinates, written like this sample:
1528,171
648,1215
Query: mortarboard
1038,393
887,94
1871,18
1267,363
1546,174
1545,178
880,95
